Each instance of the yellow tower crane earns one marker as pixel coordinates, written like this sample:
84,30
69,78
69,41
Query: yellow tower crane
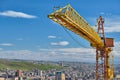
71,20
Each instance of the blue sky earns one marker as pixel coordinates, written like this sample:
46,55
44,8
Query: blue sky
27,33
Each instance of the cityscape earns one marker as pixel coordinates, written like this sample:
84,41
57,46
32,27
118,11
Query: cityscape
69,71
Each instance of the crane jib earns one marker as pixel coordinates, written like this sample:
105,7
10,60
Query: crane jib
70,19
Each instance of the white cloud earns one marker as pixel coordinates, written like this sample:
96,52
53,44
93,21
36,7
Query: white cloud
17,54
72,51
112,22
54,43
6,44
78,54
64,54
71,54
62,43
61,54
51,36
115,28
16,14
116,49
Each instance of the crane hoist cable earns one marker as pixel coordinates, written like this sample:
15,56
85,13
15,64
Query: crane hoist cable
71,36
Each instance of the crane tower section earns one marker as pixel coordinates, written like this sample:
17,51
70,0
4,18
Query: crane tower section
104,59
70,19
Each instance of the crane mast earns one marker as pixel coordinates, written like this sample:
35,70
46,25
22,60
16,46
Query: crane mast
70,19
104,68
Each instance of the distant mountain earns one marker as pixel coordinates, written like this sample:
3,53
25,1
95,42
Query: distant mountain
25,65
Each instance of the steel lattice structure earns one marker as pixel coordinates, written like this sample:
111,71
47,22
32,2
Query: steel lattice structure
71,20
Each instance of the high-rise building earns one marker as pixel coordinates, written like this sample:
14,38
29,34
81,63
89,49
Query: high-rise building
19,74
60,76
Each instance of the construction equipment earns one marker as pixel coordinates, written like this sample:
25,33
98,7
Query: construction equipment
71,20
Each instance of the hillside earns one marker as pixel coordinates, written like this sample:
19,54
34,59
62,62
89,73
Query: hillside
24,65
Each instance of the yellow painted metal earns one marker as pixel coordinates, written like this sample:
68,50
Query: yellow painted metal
110,63
70,19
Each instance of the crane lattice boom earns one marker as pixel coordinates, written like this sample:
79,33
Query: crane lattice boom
70,19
